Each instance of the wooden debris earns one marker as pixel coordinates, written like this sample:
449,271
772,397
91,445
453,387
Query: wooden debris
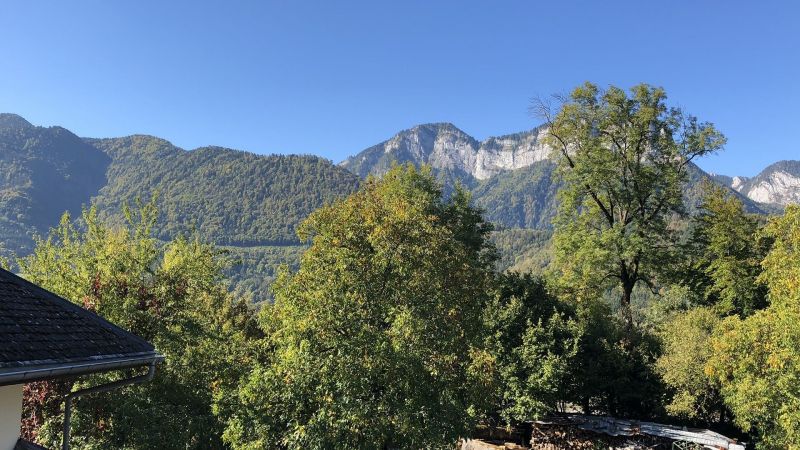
571,430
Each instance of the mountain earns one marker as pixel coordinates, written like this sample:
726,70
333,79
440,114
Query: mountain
451,152
777,185
521,198
43,172
249,204
511,177
230,197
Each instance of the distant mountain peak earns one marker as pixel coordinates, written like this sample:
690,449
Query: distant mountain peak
738,182
436,126
447,148
12,121
432,129
778,184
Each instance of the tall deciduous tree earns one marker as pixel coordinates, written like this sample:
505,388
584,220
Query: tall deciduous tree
535,339
725,253
377,338
172,295
623,158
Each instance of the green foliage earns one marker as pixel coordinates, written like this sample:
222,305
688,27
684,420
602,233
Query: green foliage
623,160
534,341
171,295
376,341
757,360
522,250
782,263
254,269
721,271
724,254
229,197
613,371
551,354
686,338
757,363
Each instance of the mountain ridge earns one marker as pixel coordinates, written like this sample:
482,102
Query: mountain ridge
777,184
250,204
450,150
482,161
197,188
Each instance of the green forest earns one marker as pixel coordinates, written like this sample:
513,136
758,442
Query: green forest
403,317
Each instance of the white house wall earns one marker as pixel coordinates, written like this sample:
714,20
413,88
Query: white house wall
10,415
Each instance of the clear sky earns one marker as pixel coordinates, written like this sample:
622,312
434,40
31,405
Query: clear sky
333,77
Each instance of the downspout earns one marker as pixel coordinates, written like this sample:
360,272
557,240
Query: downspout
101,388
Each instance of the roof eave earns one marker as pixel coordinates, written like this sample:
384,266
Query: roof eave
41,372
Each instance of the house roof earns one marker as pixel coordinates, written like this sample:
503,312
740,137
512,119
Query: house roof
45,336
22,444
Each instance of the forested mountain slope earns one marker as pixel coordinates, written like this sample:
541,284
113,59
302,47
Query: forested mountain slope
229,197
522,198
251,204
43,172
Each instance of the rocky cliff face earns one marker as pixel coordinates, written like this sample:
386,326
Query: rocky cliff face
738,182
510,152
777,185
446,148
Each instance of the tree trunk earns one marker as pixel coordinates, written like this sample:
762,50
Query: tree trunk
625,303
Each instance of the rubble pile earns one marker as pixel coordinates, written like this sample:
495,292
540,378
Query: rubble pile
585,432
578,431
565,437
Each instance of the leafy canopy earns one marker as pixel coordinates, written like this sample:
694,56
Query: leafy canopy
757,360
623,158
725,251
686,340
376,341
172,295
534,339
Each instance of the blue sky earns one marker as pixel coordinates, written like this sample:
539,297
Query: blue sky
331,78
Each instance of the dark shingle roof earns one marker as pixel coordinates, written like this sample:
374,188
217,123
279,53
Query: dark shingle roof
22,444
39,328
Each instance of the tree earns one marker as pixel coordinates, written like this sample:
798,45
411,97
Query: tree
756,360
613,370
534,340
725,253
623,159
551,354
172,295
376,341
686,339
782,263
721,277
